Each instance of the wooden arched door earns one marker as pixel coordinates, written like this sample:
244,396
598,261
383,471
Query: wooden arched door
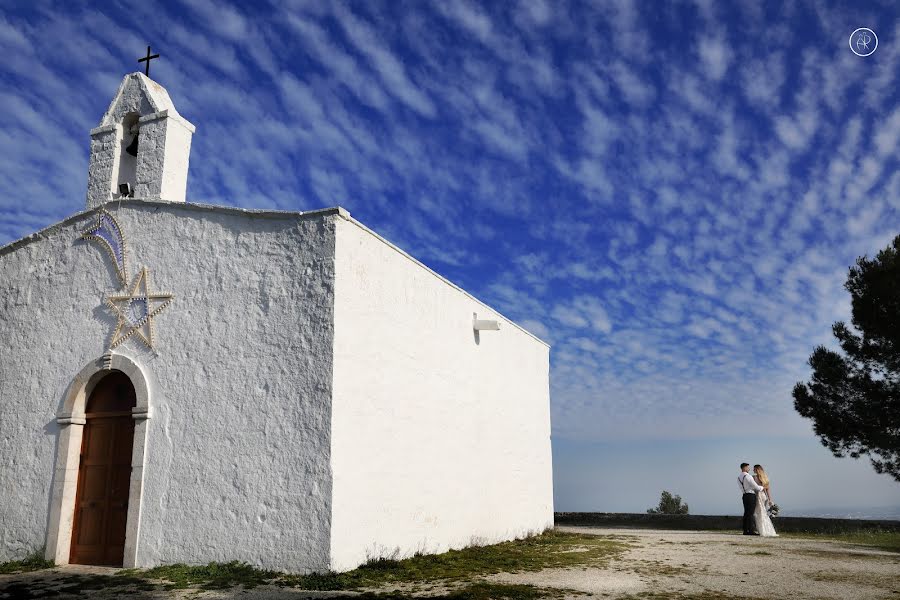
104,474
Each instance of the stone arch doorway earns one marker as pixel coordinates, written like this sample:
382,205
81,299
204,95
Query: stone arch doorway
104,473
73,419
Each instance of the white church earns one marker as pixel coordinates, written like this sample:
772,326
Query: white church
185,383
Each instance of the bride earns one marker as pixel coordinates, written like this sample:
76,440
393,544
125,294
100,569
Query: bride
764,500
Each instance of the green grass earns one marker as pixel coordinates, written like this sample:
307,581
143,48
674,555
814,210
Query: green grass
33,562
214,576
483,591
857,578
683,596
502,591
881,540
552,549
656,568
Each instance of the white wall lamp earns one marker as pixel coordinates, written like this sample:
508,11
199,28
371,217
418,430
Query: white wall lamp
484,324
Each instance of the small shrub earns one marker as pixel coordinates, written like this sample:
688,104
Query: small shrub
669,504
382,564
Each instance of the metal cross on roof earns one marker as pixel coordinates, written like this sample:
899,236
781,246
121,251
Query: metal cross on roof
147,60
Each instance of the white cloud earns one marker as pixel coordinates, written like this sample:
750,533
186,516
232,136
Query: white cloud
11,36
796,130
635,89
626,26
570,316
339,64
583,311
468,16
537,328
538,11
387,65
715,55
224,19
497,137
887,134
762,80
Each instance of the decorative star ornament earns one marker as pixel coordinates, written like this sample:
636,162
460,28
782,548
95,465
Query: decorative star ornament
136,310
109,235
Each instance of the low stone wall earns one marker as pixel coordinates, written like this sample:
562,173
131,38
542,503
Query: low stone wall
714,523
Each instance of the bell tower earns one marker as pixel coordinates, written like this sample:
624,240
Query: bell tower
141,147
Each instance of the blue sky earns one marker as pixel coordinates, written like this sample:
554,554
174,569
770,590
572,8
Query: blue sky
669,193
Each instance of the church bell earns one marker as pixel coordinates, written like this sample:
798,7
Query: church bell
133,146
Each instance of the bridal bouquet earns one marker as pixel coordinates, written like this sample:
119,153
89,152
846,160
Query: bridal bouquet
773,510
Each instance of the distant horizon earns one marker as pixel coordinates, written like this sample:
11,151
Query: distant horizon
869,514
628,475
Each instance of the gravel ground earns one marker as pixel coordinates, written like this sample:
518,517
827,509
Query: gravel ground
671,564
694,562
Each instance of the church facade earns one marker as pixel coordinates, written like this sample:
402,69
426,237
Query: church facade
193,383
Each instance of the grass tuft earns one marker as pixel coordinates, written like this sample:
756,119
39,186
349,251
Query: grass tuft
482,591
707,595
873,538
856,578
33,562
213,576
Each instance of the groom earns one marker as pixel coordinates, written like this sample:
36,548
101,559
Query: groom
749,488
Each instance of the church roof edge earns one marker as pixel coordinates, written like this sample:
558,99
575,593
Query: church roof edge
255,212
412,258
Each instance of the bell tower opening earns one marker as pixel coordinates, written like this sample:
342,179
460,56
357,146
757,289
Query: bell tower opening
129,146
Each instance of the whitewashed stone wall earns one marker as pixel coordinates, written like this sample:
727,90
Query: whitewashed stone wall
318,397
163,153
238,449
440,438
103,164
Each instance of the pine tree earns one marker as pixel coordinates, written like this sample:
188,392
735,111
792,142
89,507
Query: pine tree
853,398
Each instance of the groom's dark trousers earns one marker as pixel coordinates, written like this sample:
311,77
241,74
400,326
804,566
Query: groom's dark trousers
749,509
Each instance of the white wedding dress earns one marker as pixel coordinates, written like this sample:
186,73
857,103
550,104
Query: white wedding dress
763,522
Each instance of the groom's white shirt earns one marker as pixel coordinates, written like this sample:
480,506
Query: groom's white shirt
748,484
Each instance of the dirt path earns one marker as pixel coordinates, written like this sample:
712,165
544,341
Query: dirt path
660,564
673,563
